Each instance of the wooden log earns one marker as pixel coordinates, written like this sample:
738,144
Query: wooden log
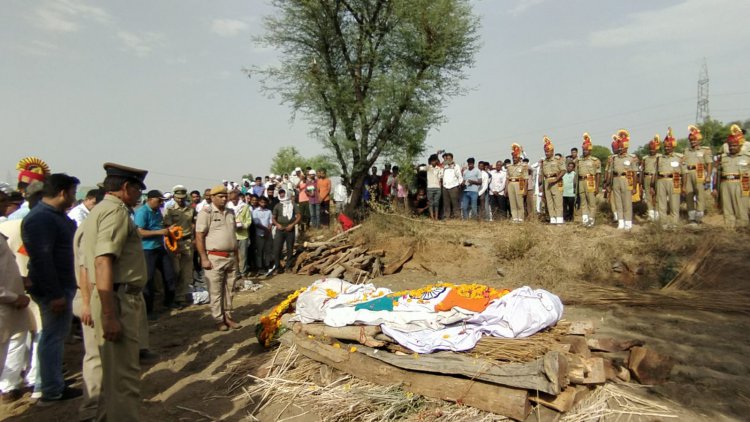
577,345
509,402
612,345
548,374
581,328
377,268
649,367
576,369
377,252
393,267
337,272
364,334
563,402
595,374
342,234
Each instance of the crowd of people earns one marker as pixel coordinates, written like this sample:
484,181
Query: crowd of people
99,259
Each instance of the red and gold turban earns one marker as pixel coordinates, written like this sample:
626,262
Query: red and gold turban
624,138
587,145
516,150
548,147
736,137
695,133
669,139
615,144
653,145
31,169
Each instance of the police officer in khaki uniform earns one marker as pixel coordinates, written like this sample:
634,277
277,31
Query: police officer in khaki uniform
589,179
553,170
733,182
114,260
698,163
183,215
668,183
515,185
624,166
648,177
217,245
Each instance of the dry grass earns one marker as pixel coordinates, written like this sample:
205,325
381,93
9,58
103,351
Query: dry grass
521,349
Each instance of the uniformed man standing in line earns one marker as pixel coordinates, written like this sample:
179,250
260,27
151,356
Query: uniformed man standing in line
515,186
589,179
114,259
183,215
553,170
217,245
734,181
609,176
624,166
698,162
648,172
668,183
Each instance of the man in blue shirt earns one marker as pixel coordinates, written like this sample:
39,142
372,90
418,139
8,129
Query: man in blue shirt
47,235
472,182
150,224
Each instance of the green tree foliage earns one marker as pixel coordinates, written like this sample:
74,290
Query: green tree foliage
714,133
371,76
602,153
287,158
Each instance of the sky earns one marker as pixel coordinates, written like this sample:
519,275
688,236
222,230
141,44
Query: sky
159,84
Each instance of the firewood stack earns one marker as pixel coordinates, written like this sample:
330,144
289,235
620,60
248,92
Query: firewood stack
575,363
342,259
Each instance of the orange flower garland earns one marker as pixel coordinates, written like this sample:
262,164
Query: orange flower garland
271,322
175,234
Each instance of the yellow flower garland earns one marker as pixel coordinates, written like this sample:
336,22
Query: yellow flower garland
272,321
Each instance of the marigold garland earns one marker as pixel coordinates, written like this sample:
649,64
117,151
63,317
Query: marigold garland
175,234
271,322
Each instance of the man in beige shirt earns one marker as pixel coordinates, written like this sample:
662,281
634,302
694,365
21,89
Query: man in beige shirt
216,243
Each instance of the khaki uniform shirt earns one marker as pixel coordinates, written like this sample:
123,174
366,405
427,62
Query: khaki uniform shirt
219,228
109,230
735,165
588,165
649,164
184,218
552,166
670,164
517,171
624,163
699,155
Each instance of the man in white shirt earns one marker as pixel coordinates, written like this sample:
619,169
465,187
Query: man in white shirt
206,201
498,200
340,196
452,181
81,211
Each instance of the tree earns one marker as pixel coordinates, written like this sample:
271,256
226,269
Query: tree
602,153
371,76
287,158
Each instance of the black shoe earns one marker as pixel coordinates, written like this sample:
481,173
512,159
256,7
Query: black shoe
67,394
147,357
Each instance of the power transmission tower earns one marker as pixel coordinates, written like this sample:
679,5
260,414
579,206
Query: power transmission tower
701,111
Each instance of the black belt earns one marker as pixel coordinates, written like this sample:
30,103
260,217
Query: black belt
692,167
621,174
731,177
515,179
666,176
128,288
648,174
584,177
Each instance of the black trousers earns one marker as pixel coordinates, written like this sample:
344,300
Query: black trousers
284,238
158,259
500,206
569,207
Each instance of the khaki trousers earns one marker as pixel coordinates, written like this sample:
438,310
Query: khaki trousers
220,279
121,369
91,368
694,189
623,198
587,200
183,268
515,197
646,194
733,205
667,200
553,197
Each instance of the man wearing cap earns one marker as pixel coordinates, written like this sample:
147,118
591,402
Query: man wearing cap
30,170
515,186
648,177
150,224
217,245
734,180
553,169
623,169
113,256
181,214
668,183
698,169
589,180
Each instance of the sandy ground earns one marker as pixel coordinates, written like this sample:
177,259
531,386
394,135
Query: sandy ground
202,371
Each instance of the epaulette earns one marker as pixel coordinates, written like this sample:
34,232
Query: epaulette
594,158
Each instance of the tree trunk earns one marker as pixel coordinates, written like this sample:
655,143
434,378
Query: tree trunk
358,186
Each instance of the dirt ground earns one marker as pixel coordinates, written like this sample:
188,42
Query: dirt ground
202,372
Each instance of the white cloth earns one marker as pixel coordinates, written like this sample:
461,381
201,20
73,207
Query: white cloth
452,176
518,314
314,303
340,194
78,213
21,212
287,208
15,354
201,205
12,320
485,182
